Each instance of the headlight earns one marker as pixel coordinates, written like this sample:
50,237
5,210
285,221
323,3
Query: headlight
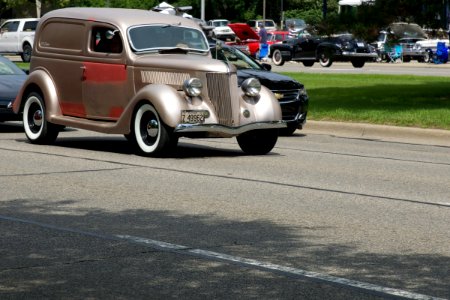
251,87
193,87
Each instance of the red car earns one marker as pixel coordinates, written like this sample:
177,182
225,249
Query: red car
277,37
246,38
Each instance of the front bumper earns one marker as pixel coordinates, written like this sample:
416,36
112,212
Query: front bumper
218,129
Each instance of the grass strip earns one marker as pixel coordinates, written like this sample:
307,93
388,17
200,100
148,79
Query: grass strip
399,100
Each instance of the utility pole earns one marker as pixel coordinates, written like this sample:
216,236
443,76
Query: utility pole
264,11
202,10
38,8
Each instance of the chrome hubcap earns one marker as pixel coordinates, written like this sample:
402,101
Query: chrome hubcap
37,117
152,128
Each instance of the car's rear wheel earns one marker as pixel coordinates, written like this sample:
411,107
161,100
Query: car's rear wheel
358,63
37,129
325,59
277,58
149,134
26,54
258,142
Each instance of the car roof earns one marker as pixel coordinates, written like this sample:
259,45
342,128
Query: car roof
121,17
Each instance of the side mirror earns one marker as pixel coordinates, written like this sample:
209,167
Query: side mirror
266,67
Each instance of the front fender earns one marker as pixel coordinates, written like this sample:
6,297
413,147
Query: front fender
167,101
265,108
284,48
39,81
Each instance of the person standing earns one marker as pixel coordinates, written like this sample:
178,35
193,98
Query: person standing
263,46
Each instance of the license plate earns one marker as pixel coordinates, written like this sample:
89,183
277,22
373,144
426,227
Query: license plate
193,116
360,45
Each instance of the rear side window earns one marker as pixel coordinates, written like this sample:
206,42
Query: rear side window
57,36
30,26
10,26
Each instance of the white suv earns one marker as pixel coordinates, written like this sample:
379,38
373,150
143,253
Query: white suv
221,29
269,24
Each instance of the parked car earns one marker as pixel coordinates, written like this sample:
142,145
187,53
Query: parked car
11,80
404,34
247,39
429,47
290,93
269,24
221,30
143,74
277,37
310,49
17,37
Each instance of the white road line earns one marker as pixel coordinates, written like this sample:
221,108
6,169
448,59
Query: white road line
367,287
168,247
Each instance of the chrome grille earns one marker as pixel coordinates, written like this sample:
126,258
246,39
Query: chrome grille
220,95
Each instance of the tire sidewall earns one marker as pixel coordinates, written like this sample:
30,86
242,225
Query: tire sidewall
277,58
33,98
143,146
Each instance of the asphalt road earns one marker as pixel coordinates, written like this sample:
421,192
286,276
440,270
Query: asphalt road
324,216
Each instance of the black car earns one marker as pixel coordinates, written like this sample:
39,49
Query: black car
290,93
310,49
11,80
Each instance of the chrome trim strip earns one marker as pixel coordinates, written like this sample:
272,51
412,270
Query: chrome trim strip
353,54
218,128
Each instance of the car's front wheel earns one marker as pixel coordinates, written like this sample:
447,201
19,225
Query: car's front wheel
258,142
277,58
37,129
325,59
149,133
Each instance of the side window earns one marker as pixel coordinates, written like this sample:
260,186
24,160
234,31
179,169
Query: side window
10,26
30,26
106,40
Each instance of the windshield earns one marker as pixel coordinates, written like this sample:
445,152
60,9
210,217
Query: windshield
221,23
235,57
297,23
8,68
163,36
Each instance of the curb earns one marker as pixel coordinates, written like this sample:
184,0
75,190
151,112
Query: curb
438,137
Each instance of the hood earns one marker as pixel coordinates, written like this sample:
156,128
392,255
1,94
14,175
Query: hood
271,80
177,62
407,31
243,31
10,86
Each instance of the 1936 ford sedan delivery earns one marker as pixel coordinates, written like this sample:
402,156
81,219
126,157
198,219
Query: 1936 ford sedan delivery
146,75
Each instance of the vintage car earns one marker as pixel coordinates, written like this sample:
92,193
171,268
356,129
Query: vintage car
143,74
309,49
290,93
405,35
247,39
277,37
